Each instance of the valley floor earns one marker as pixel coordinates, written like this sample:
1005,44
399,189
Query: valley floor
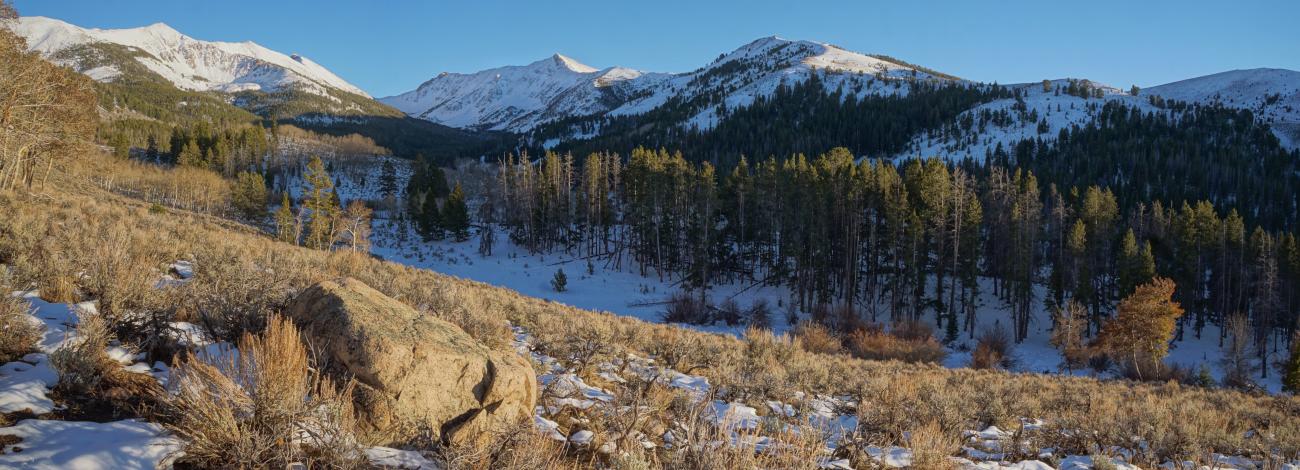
626,292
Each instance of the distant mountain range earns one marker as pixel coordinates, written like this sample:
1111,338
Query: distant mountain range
559,99
519,98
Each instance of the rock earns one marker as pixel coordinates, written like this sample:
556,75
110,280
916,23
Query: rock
417,375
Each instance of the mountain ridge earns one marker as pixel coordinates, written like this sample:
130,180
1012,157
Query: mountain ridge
189,63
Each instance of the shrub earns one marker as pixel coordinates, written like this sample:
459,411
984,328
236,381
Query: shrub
87,373
815,338
759,315
265,409
18,334
729,312
230,295
912,330
992,350
874,344
686,308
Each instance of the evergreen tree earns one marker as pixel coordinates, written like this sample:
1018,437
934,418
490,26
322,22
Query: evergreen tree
455,215
388,180
190,155
321,204
429,220
121,146
248,195
286,223
1291,374
151,150
560,281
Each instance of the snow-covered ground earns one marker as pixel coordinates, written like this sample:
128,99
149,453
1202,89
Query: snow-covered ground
625,291
1058,110
43,442
1272,94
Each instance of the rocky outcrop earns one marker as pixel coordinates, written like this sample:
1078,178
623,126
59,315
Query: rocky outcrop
417,375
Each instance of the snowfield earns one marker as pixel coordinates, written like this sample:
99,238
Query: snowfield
1272,94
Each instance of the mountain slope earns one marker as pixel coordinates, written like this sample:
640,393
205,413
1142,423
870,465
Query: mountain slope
758,68
523,98
1272,94
517,98
187,63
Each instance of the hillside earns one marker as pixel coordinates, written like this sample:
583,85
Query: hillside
152,78
1272,94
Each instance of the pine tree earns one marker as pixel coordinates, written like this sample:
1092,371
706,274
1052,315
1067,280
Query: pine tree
560,281
455,215
121,146
429,220
151,150
286,223
320,202
248,195
1291,375
388,180
190,155
1134,90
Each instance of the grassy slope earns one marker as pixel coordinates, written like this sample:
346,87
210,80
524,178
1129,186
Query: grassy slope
1177,422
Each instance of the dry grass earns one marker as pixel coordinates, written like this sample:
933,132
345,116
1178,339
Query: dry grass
894,397
18,334
815,338
267,408
931,446
88,375
877,345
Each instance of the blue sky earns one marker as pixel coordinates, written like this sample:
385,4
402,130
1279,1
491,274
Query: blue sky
388,47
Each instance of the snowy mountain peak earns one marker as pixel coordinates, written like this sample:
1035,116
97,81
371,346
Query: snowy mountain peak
186,62
571,64
519,98
514,97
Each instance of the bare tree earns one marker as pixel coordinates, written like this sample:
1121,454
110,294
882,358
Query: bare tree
46,112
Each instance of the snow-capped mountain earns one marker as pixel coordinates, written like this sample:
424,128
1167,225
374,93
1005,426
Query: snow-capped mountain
1272,94
187,63
758,68
519,98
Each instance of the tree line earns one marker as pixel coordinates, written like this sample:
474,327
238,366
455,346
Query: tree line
901,240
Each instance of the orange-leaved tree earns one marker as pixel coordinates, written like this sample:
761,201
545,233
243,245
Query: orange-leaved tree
1141,330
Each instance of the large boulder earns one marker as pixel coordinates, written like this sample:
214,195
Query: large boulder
417,375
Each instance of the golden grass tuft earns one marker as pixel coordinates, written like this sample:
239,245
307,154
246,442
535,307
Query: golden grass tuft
266,408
